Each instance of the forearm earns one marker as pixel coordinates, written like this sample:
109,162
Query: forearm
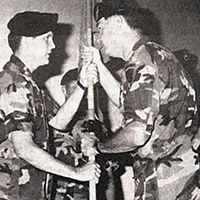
125,140
115,144
38,157
67,110
45,162
109,83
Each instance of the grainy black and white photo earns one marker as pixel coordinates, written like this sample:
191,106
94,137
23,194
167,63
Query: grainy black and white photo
100,100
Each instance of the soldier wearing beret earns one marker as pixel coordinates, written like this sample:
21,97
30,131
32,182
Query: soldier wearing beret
157,100
25,111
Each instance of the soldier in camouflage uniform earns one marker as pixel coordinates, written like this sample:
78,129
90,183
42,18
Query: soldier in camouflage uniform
67,146
25,111
158,103
68,149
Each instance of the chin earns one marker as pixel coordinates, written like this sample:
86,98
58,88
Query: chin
45,62
109,52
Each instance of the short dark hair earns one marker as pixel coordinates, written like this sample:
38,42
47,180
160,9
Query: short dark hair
145,21
14,41
135,16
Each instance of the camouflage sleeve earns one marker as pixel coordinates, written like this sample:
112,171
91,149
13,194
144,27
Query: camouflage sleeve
142,100
51,106
14,110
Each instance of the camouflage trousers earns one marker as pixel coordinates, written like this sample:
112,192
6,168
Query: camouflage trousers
66,188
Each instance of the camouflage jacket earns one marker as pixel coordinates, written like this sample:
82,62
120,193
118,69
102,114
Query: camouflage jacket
22,107
156,91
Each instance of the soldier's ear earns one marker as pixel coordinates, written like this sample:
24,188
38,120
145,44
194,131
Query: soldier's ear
26,40
119,20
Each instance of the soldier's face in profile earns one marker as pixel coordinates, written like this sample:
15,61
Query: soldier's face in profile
41,48
107,34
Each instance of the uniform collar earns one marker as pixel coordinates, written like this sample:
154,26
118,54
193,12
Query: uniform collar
138,44
19,66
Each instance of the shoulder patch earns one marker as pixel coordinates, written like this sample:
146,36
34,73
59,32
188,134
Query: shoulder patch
158,53
6,79
10,79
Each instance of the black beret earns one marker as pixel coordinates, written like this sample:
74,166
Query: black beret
113,7
31,24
